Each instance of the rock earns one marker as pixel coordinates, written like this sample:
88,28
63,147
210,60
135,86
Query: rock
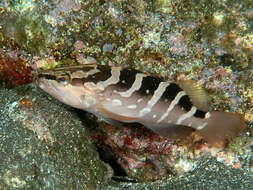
44,145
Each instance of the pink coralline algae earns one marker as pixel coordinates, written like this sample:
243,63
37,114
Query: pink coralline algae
146,156
14,73
219,79
177,44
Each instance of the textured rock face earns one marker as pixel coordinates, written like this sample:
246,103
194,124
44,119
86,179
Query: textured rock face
210,42
43,145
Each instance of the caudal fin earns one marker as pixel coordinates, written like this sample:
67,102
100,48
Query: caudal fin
221,126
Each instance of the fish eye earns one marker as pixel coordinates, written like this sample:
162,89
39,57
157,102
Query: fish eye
63,79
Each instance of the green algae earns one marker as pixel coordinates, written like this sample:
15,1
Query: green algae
31,33
214,20
22,6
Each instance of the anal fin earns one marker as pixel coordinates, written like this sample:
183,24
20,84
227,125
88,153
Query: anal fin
172,131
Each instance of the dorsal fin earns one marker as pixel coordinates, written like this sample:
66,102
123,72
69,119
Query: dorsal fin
196,93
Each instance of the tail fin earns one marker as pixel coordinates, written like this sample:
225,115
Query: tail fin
220,126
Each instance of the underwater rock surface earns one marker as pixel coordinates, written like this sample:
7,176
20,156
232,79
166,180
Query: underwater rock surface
45,146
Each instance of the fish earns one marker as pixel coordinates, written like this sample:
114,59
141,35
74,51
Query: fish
126,95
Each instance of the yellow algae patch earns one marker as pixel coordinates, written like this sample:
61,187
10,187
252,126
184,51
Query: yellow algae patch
46,63
12,180
249,116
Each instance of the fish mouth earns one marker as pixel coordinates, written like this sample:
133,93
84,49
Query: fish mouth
52,87
42,82
37,76
41,79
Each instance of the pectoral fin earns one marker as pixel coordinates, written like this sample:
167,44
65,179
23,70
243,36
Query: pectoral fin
196,93
112,122
116,116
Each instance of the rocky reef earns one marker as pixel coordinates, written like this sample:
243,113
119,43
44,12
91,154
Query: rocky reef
210,42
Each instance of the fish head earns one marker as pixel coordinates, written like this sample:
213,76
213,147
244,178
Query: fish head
59,84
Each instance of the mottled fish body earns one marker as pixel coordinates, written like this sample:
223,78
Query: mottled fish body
128,95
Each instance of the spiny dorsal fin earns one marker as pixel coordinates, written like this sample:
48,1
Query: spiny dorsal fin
197,95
